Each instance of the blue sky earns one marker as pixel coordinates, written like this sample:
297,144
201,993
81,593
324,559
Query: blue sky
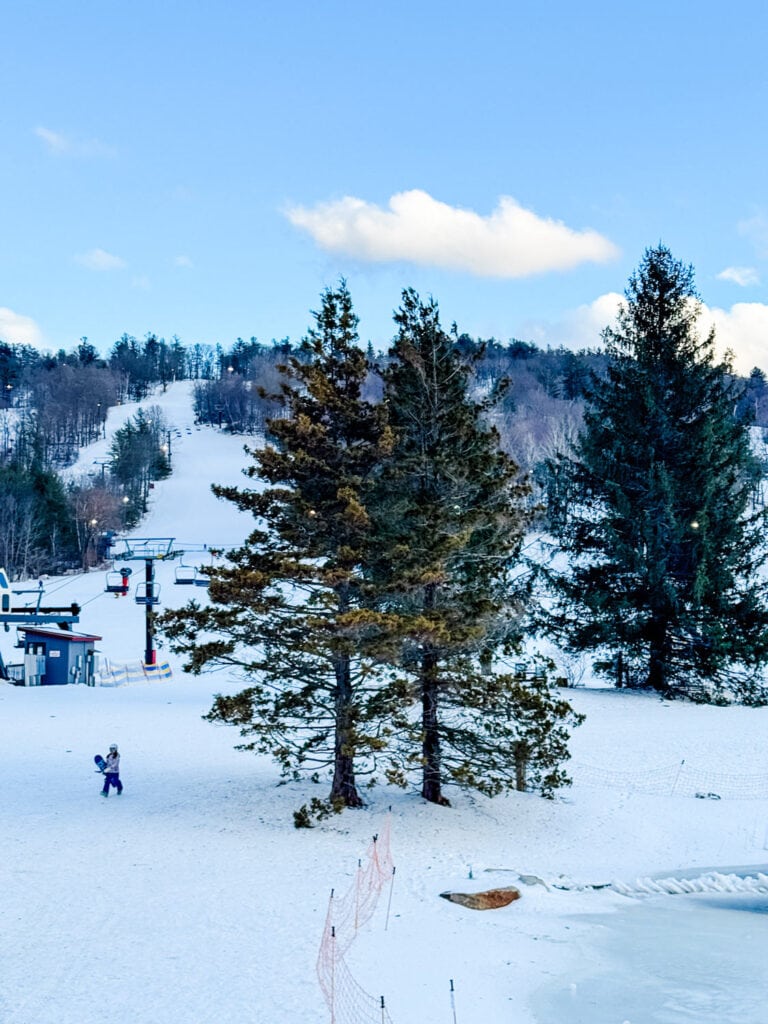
205,169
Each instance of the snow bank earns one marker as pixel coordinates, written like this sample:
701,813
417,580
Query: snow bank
193,898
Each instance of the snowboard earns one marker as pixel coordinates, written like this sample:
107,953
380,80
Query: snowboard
100,763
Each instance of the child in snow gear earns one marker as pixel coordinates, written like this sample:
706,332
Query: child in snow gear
112,772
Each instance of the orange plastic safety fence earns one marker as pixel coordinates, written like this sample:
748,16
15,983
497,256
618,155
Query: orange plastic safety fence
347,1001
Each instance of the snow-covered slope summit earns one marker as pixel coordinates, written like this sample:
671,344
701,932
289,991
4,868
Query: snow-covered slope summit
192,898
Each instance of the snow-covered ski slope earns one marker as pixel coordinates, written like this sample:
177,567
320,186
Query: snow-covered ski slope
192,898
182,507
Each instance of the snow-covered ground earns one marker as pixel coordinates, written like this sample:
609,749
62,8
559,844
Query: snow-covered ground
192,898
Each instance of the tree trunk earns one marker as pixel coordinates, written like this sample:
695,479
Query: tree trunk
430,719
521,754
431,754
343,787
658,655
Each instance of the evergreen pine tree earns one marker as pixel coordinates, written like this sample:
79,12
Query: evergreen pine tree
449,520
664,545
287,608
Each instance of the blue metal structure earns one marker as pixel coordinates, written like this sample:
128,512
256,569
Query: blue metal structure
31,614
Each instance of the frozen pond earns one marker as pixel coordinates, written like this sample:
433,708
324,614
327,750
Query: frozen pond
670,960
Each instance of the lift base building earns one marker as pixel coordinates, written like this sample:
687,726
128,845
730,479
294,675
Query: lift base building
53,657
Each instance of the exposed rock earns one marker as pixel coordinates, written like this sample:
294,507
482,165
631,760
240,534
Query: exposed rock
491,899
525,879
532,880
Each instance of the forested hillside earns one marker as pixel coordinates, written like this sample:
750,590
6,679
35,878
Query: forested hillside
53,404
554,414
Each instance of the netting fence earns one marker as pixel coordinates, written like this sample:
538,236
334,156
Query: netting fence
677,779
347,1000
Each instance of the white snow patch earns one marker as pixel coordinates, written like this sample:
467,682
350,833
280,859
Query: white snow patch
192,898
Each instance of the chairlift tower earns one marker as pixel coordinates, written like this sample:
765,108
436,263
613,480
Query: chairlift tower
149,550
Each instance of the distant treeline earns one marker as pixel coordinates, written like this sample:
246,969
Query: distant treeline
51,405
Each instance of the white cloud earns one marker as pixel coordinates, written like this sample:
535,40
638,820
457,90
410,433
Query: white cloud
98,259
64,145
56,143
510,242
756,230
742,329
586,323
577,328
182,261
742,276
16,329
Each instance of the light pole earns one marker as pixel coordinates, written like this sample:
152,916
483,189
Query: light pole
91,542
101,421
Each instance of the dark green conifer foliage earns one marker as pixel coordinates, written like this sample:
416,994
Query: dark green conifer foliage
449,519
665,545
287,609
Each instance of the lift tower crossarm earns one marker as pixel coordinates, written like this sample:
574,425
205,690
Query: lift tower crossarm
49,615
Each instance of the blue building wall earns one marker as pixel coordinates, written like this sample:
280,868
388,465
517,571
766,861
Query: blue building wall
61,651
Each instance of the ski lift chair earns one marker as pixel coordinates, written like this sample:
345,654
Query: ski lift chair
117,581
185,576
147,593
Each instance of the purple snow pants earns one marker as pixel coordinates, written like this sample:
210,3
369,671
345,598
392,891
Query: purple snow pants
112,779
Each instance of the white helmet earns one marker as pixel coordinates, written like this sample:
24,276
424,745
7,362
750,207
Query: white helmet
113,746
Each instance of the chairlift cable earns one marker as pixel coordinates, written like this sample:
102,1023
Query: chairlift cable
66,582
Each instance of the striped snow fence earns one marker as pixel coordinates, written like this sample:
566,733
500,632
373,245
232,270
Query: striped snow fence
134,672
162,670
710,882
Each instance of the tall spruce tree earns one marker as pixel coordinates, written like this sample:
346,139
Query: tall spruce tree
287,608
450,513
665,544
